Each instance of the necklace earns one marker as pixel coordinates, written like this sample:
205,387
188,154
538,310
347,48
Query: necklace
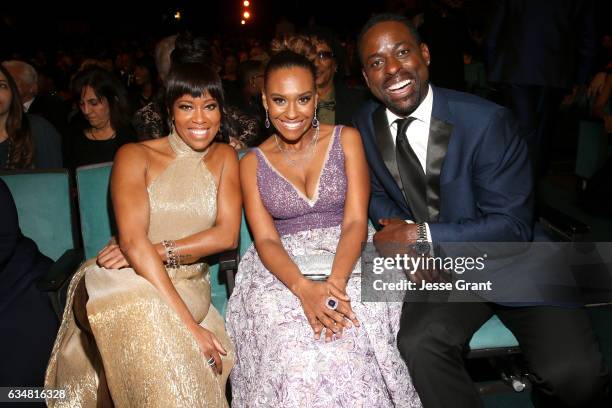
309,150
93,137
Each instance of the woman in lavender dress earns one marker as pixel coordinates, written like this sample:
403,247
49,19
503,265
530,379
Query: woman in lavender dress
306,191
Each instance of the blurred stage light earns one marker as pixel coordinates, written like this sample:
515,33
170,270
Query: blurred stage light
246,15
242,22
246,3
177,15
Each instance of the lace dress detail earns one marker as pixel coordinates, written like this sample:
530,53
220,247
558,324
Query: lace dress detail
279,364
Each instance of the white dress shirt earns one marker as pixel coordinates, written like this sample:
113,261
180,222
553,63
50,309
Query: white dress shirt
417,133
26,105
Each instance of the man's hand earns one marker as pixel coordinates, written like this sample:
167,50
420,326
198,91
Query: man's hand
396,231
397,237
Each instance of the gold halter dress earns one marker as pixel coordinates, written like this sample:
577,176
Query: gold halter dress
138,345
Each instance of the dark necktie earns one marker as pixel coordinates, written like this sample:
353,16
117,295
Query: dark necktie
411,173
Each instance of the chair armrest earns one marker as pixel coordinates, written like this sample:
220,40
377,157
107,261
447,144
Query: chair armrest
561,226
228,260
61,271
228,263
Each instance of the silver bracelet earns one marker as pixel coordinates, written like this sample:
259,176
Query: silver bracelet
172,258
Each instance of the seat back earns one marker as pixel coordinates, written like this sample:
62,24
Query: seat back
98,223
44,208
95,209
592,148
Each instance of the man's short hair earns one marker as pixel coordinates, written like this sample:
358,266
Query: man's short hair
27,73
383,18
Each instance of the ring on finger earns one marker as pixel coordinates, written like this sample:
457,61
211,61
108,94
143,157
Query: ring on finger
211,361
331,302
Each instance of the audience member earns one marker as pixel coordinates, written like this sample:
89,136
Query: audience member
44,104
26,141
306,193
105,128
143,321
145,83
27,321
151,121
456,166
337,102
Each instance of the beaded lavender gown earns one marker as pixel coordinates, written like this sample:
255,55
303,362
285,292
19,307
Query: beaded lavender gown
279,364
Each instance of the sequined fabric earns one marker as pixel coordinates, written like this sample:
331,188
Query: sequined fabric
138,345
295,212
279,364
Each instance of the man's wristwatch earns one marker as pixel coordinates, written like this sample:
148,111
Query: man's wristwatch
422,246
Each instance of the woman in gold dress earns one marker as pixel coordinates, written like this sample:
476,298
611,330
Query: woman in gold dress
139,329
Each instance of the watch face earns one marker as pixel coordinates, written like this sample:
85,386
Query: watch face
422,247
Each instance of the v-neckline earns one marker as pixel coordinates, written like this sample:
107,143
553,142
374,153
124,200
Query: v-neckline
310,201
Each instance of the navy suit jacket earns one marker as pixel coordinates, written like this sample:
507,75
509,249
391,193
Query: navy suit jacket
486,188
485,182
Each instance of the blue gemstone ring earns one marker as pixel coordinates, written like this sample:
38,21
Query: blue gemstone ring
331,303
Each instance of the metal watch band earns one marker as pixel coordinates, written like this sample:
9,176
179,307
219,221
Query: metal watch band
421,232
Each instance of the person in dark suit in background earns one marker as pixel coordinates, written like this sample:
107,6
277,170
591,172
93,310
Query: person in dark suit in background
537,51
44,104
27,321
455,165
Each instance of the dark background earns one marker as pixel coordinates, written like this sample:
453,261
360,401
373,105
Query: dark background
99,24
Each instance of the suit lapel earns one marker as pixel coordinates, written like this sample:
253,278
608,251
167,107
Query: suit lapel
384,141
440,132
437,146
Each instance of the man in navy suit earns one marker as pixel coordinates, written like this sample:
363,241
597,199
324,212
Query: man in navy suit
446,166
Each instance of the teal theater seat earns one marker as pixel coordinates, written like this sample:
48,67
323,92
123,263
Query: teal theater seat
592,148
45,212
493,335
98,225
95,209
44,208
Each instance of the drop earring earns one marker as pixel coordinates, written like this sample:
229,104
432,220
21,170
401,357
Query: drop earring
315,121
267,122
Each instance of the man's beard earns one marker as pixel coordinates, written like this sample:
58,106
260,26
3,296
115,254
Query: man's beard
404,110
